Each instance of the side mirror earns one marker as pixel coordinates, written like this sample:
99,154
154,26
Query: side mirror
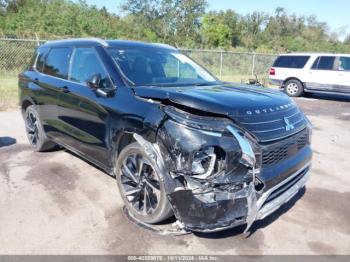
94,81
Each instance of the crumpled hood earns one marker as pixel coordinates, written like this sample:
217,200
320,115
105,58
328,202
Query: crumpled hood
267,114
226,99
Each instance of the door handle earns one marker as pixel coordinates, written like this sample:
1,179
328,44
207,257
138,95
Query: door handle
64,89
36,80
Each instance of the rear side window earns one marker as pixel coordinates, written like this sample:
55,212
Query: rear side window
40,62
291,61
344,63
57,62
324,63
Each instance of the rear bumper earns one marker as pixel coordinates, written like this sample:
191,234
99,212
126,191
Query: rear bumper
276,82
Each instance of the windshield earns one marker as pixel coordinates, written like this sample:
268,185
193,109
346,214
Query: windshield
152,66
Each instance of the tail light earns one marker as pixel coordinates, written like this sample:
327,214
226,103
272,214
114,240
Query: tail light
272,72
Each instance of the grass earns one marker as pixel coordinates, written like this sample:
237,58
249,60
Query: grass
8,92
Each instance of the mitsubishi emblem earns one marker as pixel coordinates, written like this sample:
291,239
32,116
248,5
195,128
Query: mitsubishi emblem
288,126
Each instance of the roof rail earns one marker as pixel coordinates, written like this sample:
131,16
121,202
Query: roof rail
99,40
94,39
165,45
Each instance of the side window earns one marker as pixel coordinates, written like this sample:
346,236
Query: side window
57,62
85,64
324,63
297,62
40,62
344,63
315,64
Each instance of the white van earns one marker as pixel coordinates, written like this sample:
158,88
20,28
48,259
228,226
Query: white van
297,73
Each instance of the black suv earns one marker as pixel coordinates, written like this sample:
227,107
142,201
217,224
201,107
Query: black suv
179,141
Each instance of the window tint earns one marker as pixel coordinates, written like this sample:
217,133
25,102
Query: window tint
291,61
57,62
324,63
85,64
344,63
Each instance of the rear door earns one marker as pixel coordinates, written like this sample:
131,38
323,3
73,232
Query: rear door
322,75
52,72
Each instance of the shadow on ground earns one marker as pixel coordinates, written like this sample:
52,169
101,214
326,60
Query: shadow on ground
7,141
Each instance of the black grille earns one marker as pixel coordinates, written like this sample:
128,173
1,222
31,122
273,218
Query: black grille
302,141
280,151
277,155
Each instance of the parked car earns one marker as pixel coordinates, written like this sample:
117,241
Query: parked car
177,140
299,73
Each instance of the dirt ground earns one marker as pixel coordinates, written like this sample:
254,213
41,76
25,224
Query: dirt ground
56,203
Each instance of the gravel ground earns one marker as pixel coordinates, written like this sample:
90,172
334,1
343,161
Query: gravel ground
56,203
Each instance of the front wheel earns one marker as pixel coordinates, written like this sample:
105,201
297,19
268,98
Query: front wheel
294,88
141,186
35,132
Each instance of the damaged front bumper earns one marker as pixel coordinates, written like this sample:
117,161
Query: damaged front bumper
243,207
234,195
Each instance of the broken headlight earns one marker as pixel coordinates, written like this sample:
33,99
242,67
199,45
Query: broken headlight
207,162
203,146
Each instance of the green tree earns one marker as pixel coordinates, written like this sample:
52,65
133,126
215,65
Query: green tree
183,23
171,21
216,30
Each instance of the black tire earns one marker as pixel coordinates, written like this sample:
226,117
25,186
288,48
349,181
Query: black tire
157,202
294,88
35,131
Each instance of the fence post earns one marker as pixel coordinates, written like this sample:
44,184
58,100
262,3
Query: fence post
221,58
253,64
37,39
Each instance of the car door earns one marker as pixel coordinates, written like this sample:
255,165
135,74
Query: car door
50,77
321,75
83,120
342,84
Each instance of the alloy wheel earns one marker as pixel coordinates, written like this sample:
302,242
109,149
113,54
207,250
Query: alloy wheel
32,128
140,183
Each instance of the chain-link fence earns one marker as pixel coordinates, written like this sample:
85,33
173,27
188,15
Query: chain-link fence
233,66
15,54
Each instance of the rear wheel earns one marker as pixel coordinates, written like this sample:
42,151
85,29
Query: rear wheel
35,132
294,88
141,186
